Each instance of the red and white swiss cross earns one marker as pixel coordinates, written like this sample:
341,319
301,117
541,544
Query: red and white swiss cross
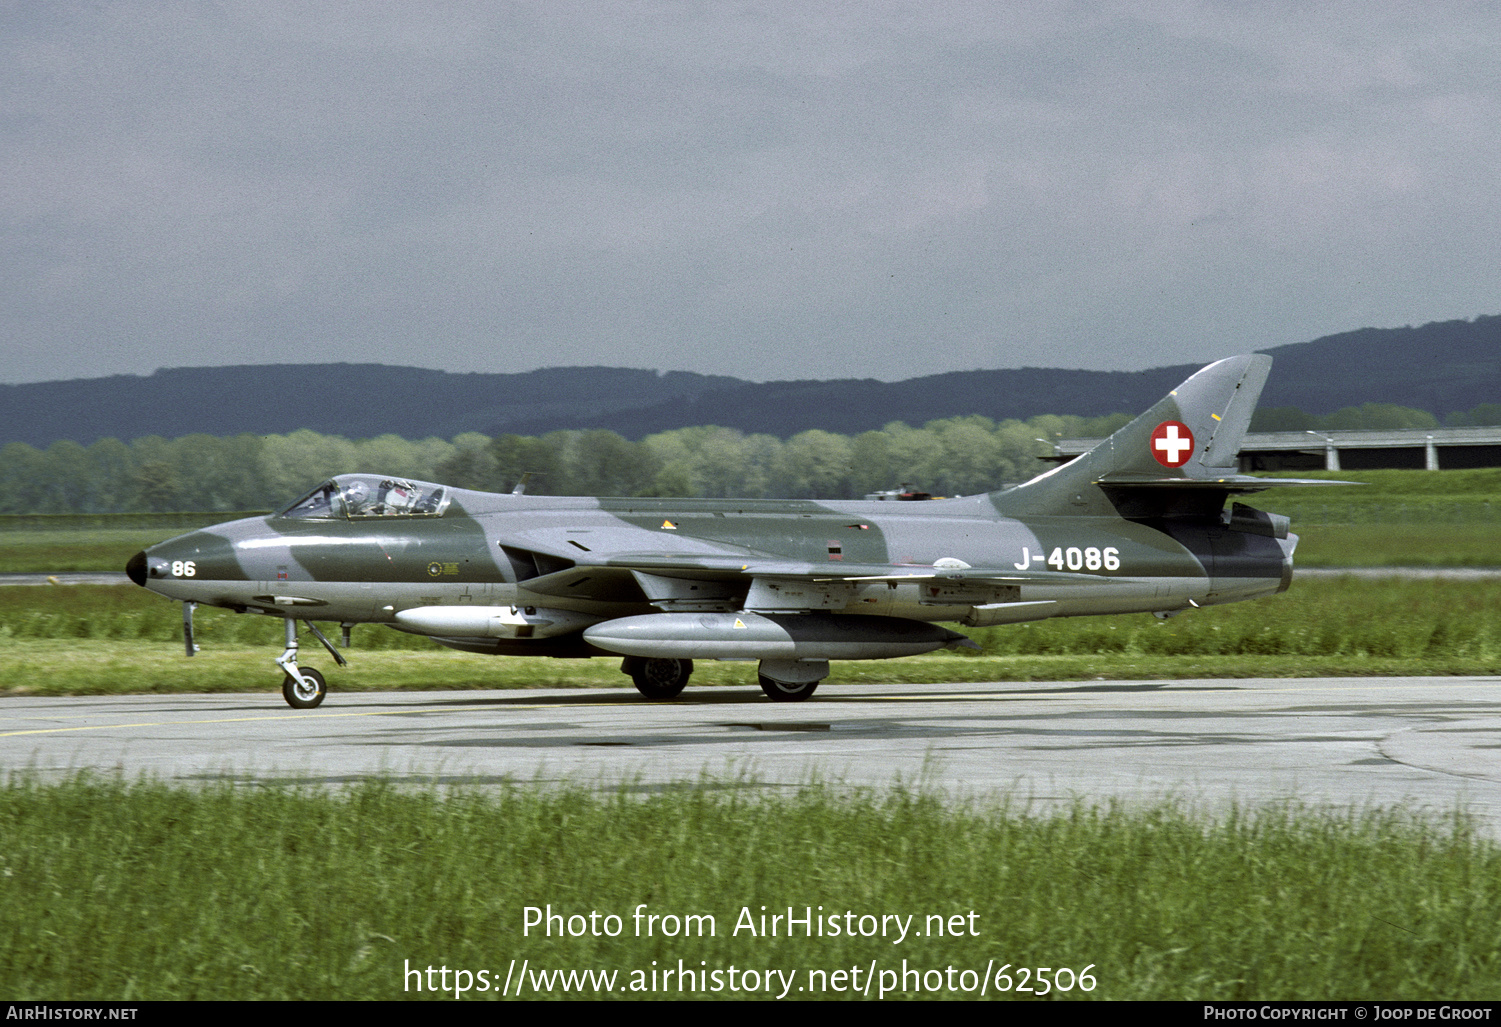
1172,443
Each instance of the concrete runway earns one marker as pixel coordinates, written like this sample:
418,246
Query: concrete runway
1432,743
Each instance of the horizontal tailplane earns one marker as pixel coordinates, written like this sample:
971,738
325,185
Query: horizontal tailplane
1180,458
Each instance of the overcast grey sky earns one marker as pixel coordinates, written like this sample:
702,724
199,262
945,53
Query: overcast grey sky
763,189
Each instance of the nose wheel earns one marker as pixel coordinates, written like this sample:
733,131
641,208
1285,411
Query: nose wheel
306,692
303,687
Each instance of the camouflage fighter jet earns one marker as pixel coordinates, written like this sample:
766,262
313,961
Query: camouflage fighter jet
1138,524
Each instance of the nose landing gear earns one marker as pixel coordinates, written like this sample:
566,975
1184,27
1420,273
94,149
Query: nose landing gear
303,687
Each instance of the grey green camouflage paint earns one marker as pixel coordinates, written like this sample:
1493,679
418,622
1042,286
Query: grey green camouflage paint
1116,530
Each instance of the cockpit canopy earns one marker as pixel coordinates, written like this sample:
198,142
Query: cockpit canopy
358,496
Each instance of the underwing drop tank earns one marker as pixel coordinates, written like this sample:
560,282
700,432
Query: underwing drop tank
756,636
491,621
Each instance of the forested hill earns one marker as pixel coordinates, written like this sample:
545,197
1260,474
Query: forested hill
1440,367
352,400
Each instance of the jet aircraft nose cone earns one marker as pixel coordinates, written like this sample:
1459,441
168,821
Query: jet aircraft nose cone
136,568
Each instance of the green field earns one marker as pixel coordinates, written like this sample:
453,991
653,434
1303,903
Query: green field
50,543
1399,545
78,640
1384,489
144,891
1396,519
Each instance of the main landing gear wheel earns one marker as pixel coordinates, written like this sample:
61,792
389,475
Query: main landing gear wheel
786,691
658,678
304,696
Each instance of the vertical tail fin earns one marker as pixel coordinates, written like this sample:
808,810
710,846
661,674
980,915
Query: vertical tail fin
1192,434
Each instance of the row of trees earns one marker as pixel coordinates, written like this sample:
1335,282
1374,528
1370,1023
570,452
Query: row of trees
249,472
201,472
956,456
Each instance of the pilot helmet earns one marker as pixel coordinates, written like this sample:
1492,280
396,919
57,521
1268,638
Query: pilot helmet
356,494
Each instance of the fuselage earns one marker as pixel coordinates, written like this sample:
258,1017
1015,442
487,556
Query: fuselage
605,558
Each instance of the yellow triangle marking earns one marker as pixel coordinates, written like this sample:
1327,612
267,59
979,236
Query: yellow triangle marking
739,623
669,525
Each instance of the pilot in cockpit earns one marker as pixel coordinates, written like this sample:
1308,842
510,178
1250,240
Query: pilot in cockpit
356,498
395,497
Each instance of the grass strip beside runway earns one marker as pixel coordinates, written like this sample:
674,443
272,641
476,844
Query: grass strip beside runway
100,640
136,668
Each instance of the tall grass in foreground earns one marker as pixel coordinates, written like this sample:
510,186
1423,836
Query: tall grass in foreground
146,891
